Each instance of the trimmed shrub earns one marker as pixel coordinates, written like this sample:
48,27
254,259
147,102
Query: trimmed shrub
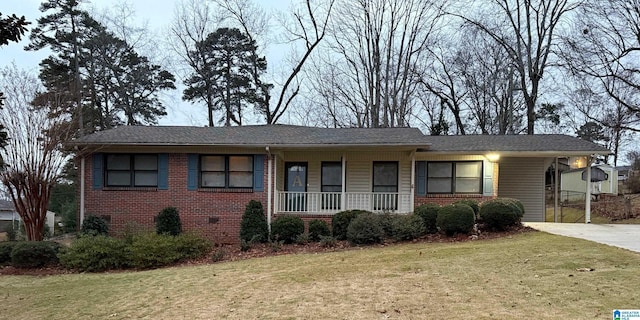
153,250
500,213
287,228
168,222
471,203
317,229
407,227
34,254
95,254
455,218
5,251
253,226
429,213
192,246
386,221
341,220
365,228
94,225
517,204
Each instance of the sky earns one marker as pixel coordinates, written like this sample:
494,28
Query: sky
155,14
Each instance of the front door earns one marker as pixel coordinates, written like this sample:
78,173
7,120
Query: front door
296,187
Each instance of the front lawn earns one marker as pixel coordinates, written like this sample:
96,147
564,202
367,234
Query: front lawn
528,275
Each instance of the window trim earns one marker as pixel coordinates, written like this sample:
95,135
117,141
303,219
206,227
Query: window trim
453,177
132,170
227,172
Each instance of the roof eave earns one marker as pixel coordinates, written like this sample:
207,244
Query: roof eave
253,146
558,153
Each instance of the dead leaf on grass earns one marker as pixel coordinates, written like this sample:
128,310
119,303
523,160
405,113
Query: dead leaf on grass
585,269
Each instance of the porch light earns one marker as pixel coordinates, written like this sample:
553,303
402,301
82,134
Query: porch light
579,162
493,157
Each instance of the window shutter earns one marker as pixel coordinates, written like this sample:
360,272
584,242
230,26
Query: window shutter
421,178
487,178
192,171
98,175
163,171
258,172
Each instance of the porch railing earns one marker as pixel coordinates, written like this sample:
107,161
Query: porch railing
331,202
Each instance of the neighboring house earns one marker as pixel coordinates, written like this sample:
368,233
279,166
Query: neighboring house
604,181
8,215
209,174
623,173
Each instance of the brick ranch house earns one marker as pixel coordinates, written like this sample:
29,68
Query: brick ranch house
131,173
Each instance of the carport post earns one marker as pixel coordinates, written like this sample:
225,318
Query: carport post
587,204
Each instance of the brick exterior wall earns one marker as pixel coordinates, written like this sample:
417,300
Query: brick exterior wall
215,215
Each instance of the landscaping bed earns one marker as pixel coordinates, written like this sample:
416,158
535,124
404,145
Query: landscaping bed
260,250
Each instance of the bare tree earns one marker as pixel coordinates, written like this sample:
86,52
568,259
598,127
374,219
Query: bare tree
603,49
32,155
597,107
193,21
491,82
444,80
378,48
308,29
527,31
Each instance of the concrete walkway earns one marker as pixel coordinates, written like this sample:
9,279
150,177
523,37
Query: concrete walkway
625,236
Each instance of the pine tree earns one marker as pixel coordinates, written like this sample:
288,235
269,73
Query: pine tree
223,76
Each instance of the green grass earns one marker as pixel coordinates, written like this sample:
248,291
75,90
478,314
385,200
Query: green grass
530,275
573,215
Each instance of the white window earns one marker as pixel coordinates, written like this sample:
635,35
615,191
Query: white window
131,170
454,177
221,171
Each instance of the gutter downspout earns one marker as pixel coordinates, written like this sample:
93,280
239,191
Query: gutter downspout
587,204
82,177
269,190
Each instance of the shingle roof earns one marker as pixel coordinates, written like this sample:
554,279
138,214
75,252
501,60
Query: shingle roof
259,135
299,136
513,143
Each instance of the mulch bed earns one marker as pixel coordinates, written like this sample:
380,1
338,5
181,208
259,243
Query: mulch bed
233,252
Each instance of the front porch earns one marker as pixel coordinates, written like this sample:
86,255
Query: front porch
330,203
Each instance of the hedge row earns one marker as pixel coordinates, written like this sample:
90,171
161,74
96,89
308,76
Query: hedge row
29,254
143,251
459,217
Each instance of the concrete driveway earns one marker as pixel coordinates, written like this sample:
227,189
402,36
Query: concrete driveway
625,236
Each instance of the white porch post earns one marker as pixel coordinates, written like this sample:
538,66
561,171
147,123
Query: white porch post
587,204
269,190
343,188
413,181
555,192
82,177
